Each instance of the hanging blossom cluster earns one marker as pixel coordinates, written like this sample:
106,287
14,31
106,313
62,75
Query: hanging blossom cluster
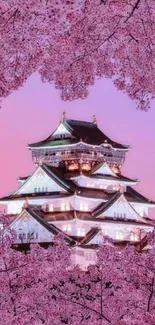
71,43
41,287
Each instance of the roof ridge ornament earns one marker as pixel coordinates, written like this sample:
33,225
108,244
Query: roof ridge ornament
63,116
94,120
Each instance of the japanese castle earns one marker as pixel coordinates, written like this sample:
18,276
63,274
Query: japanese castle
77,189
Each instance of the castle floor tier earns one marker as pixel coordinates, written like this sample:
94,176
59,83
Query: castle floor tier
77,189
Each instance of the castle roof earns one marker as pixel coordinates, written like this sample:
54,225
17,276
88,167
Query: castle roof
134,196
87,131
89,216
118,178
131,195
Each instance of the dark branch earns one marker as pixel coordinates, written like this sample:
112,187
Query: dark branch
133,9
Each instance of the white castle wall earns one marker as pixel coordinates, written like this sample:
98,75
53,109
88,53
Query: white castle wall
121,209
30,230
39,182
111,185
83,257
115,230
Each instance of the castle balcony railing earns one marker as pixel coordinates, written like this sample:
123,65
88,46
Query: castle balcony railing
75,156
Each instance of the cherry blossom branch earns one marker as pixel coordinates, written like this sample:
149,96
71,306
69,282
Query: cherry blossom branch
133,9
151,295
87,307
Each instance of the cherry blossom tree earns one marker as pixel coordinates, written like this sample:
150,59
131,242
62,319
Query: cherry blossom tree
25,279
119,290
41,286
71,43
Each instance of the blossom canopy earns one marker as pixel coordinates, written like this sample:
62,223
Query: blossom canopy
71,43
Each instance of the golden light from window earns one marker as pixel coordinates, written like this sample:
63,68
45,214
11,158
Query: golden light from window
73,166
67,228
51,207
90,185
65,206
116,187
81,232
86,166
62,206
103,186
134,237
83,206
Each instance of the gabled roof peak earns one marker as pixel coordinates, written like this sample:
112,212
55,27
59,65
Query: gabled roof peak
102,168
38,215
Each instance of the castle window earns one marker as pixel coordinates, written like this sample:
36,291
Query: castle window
103,186
62,206
65,206
81,232
119,215
134,237
119,235
30,235
40,189
22,236
86,166
89,256
51,207
115,187
67,228
83,206
73,166
91,185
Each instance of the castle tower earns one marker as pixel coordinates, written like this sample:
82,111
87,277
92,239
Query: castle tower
77,188
77,144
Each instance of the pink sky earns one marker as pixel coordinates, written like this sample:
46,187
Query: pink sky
33,112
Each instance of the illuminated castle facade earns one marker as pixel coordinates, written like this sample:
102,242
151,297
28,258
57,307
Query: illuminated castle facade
77,189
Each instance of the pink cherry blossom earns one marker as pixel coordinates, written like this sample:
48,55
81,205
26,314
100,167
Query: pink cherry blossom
41,287
72,43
